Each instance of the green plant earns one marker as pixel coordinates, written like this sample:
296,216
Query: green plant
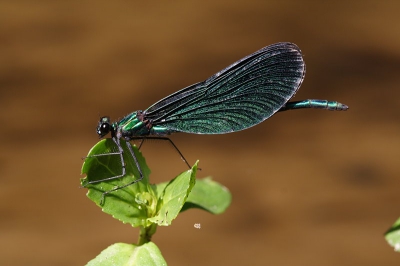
393,235
142,204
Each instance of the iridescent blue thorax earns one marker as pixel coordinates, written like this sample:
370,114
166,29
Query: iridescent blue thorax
136,125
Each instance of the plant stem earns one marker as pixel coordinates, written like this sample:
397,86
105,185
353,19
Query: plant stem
146,233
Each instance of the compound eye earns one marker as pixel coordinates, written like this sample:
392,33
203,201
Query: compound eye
105,127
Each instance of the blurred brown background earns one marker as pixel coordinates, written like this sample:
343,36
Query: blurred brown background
310,187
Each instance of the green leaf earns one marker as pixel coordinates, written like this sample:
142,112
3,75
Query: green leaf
209,196
131,204
393,235
128,254
173,196
206,194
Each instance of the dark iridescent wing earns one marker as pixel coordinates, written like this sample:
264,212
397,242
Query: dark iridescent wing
238,97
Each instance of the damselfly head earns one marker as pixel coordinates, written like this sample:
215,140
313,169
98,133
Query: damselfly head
104,126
